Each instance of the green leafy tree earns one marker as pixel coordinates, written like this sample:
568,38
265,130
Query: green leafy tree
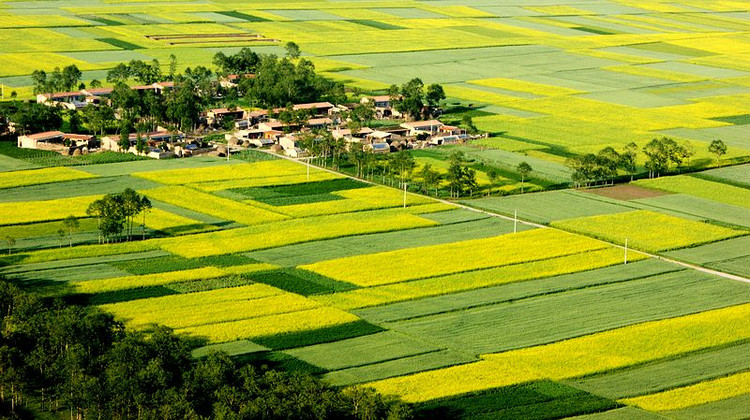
523,169
628,159
72,224
11,242
718,148
292,50
492,175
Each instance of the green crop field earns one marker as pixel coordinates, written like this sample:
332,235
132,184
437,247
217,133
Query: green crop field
373,292
459,313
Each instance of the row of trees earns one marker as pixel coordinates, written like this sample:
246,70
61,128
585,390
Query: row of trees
116,215
142,72
661,156
79,361
58,80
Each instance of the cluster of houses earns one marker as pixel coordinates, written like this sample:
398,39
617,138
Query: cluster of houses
258,129
252,128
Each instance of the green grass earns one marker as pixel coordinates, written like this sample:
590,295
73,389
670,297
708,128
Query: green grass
302,282
729,409
8,163
45,229
717,251
397,367
173,263
709,190
738,175
739,265
536,400
546,319
549,206
377,24
319,336
67,189
120,43
233,348
311,192
360,351
700,208
673,373
243,16
514,291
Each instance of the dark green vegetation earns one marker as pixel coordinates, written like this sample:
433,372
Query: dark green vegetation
47,158
61,359
300,193
174,262
537,400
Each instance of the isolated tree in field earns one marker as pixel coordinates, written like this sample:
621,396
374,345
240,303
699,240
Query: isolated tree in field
95,84
292,50
492,176
628,159
718,148
523,169
11,242
71,223
61,236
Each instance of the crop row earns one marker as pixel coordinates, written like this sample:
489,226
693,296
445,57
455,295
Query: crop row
710,190
579,356
292,232
648,231
239,171
223,208
39,211
436,286
271,325
435,260
159,279
229,184
700,393
215,306
40,176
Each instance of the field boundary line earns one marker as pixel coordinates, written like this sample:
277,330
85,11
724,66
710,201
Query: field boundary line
528,223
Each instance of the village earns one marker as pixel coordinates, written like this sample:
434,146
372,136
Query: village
279,130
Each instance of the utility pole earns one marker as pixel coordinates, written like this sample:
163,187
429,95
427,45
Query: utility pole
626,250
515,221
404,194
308,167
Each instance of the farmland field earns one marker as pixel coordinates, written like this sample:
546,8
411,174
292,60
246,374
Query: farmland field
454,311
426,301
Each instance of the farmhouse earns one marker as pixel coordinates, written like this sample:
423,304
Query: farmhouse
69,100
383,106
153,139
218,115
350,137
291,146
232,80
316,109
55,141
430,127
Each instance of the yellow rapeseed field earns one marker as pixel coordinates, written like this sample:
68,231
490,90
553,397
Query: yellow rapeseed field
390,293
435,260
647,230
222,208
39,211
239,171
271,325
160,279
40,176
579,356
700,393
211,307
293,231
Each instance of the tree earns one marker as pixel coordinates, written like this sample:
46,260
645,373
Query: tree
61,236
70,76
95,83
145,209
523,169
468,122
11,241
434,95
292,50
172,66
72,224
126,127
411,98
119,74
688,151
98,118
74,121
492,176
430,178
34,117
718,148
628,159
608,160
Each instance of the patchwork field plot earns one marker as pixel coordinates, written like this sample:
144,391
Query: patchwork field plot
442,306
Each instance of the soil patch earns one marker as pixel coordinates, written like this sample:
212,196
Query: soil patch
626,192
